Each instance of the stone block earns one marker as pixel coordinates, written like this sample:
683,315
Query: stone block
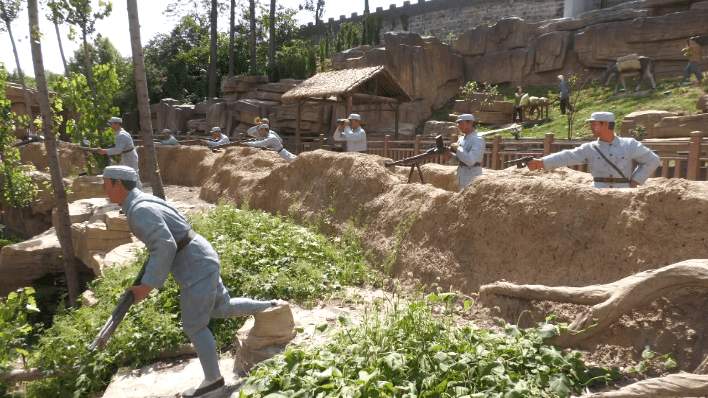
494,118
498,106
23,262
115,221
647,119
263,95
550,50
435,128
280,87
82,210
702,104
85,187
461,106
95,237
681,126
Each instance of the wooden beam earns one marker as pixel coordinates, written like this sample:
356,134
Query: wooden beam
395,129
297,127
360,97
349,105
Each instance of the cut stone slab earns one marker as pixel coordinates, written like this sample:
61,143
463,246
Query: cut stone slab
85,187
647,118
171,379
434,128
26,261
83,210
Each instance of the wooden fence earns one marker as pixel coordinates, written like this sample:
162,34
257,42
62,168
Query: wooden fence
680,158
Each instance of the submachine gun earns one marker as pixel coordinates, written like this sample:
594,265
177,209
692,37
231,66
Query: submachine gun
520,163
118,314
440,149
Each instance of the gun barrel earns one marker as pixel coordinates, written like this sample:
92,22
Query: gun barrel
408,161
112,323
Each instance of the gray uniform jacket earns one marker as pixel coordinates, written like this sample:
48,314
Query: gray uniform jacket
469,152
272,141
253,132
170,141
160,226
621,152
563,88
219,141
125,148
356,139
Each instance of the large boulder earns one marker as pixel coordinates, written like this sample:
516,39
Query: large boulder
71,160
26,261
646,119
681,126
434,128
702,104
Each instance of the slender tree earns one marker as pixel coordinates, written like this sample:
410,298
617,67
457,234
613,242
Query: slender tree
56,17
143,100
271,42
212,56
9,10
79,13
231,38
316,6
252,12
50,142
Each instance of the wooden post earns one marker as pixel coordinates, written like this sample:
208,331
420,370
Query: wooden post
694,154
547,142
416,145
495,151
349,105
395,129
322,141
297,127
387,137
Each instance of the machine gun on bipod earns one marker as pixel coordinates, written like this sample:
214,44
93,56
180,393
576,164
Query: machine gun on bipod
520,163
413,161
118,314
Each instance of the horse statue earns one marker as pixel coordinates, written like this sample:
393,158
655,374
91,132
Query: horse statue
646,69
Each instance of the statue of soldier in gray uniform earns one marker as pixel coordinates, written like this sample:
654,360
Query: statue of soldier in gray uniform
218,138
175,247
467,152
270,140
609,159
350,130
169,139
124,148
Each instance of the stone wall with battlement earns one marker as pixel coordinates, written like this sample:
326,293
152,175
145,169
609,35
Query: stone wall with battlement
445,18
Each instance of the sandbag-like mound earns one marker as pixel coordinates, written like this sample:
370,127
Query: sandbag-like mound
71,159
180,165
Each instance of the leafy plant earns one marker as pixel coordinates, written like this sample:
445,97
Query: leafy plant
15,328
404,349
262,257
649,357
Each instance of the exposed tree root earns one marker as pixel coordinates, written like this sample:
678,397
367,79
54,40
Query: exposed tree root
609,301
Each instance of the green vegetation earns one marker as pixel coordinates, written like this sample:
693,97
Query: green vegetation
668,96
402,348
262,257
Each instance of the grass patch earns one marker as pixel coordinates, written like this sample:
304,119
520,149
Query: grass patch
668,96
404,349
262,256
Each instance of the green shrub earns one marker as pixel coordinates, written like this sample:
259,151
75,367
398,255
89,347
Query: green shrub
262,257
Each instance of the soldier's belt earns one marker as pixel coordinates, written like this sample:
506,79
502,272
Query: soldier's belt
612,180
186,240
478,164
127,150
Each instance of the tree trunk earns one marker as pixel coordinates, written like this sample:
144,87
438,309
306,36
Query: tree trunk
144,101
675,385
89,69
231,38
61,49
271,42
252,9
28,102
609,302
212,57
64,227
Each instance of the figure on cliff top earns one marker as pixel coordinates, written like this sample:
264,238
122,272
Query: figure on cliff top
609,159
564,95
693,53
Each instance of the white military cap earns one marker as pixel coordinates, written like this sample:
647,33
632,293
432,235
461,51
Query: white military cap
602,117
354,116
215,128
560,77
465,116
167,131
120,173
115,120
263,126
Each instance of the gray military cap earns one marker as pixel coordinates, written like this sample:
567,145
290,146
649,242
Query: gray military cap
115,120
215,128
120,173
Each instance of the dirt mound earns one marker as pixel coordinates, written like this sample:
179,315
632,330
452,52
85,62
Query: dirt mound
71,160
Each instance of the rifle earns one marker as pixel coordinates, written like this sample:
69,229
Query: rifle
94,150
520,163
118,314
440,149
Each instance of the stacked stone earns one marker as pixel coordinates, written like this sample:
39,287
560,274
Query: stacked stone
495,111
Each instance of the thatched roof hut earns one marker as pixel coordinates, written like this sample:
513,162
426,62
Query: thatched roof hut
350,86
372,81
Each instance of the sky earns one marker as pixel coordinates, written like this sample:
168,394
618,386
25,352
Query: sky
152,22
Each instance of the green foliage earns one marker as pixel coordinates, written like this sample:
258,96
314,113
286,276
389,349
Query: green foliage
472,87
14,326
262,257
406,350
649,357
16,188
91,126
371,29
404,21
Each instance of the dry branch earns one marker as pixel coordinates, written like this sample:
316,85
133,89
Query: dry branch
609,301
